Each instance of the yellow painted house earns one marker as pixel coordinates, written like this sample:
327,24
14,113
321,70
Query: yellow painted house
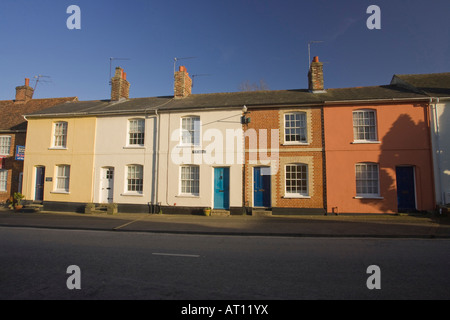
59,159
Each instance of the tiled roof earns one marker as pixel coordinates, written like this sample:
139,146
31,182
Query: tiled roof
227,100
433,84
12,112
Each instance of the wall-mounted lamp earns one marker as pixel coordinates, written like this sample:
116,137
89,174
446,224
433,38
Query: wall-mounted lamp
244,118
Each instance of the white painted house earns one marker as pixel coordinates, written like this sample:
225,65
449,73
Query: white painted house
437,87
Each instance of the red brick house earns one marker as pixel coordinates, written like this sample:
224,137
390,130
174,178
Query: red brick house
13,128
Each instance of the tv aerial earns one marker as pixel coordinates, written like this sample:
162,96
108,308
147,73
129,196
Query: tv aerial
177,59
40,78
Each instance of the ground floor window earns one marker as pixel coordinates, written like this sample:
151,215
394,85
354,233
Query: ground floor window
190,180
62,178
3,180
367,180
297,179
135,179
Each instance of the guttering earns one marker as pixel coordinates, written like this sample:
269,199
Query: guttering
375,100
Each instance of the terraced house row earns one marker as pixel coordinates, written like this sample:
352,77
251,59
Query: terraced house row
380,149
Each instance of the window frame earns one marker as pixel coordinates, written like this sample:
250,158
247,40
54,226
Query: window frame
374,182
290,194
62,136
303,129
3,180
138,183
193,179
194,132
6,145
141,135
65,177
356,138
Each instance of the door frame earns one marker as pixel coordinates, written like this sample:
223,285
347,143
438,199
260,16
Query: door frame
414,183
253,186
102,180
214,187
36,168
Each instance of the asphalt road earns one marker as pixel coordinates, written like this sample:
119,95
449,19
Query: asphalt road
142,265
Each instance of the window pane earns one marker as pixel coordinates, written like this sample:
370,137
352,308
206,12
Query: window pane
190,180
295,127
5,145
3,180
135,179
367,179
297,179
364,125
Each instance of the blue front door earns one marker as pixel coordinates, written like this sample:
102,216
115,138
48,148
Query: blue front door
221,188
39,188
261,187
406,191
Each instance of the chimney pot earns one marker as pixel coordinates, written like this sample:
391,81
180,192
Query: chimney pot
316,59
27,82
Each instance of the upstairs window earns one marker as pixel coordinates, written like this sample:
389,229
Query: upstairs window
295,127
190,131
136,132
364,125
5,145
60,134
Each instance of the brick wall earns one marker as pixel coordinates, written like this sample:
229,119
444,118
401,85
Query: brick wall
14,167
310,153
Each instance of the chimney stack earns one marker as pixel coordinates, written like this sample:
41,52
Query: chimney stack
24,93
120,87
183,83
315,76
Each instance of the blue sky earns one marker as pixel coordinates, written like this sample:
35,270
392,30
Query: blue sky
233,41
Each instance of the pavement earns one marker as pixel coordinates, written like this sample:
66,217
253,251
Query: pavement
428,226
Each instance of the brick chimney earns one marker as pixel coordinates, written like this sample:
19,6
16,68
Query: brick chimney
183,83
315,76
120,87
24,93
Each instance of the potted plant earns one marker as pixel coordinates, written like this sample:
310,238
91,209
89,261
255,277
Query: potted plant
207,211
18,197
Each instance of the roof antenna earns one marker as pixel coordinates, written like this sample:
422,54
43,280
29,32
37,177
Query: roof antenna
38,79
110,66
175,62
198,75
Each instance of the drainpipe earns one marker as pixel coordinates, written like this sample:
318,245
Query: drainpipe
156,150
438,145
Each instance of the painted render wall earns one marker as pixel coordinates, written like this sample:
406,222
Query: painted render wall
214,126
404,139
112,150
79,154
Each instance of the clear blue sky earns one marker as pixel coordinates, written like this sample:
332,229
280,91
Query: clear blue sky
233,41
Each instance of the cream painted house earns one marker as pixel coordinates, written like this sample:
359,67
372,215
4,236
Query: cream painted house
59,159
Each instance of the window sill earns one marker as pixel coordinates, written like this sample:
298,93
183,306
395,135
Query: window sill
366,142
57,148
134,147
369,197
132,194
295,196
60,192
189,146
296,144
187,196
